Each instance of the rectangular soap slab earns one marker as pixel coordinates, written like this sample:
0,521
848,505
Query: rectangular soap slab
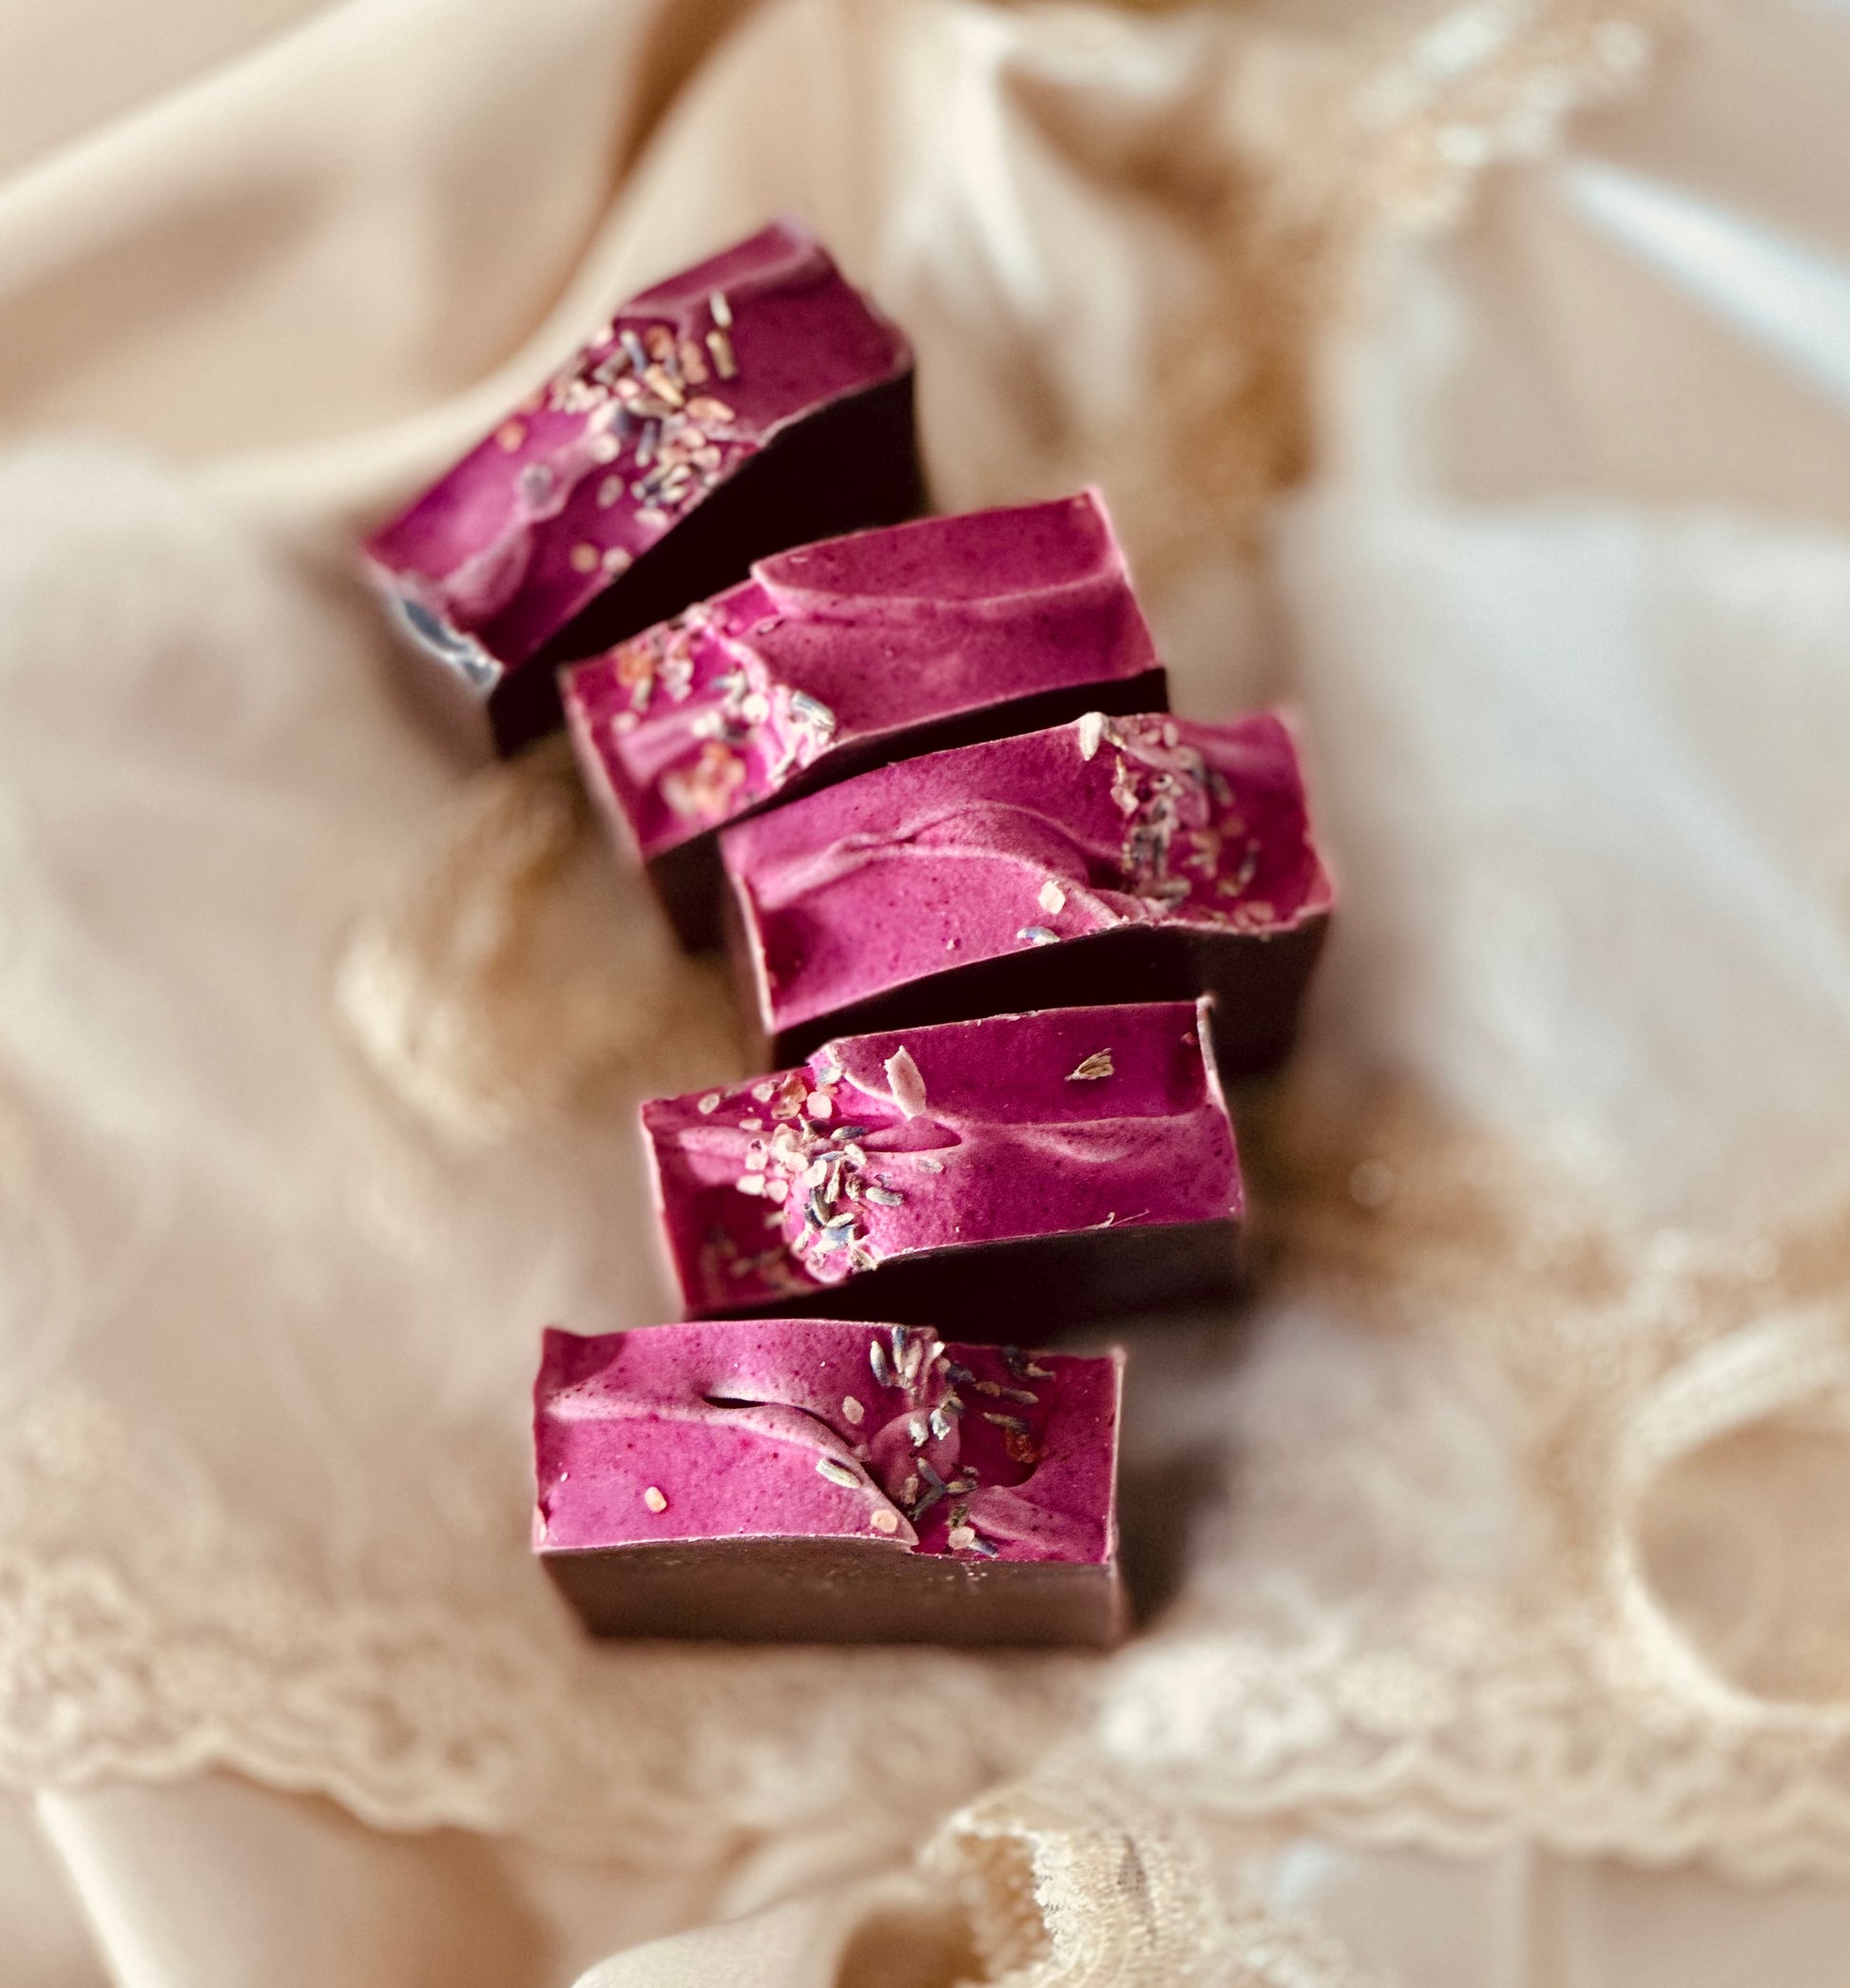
1112,859
1013,1173
749,403
828,1480
837,657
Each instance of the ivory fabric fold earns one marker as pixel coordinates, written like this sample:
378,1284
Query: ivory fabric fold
1498,1565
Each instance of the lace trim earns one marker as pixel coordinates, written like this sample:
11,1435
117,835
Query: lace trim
1071,1882
1561,1700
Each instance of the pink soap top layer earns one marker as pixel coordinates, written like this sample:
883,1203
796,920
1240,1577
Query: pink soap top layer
824,1428
968,855
924,1139
685,383
837,643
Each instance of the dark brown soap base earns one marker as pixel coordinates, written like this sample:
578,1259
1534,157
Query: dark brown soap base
691,884
835,1590
1022,1291
1258,984
848,466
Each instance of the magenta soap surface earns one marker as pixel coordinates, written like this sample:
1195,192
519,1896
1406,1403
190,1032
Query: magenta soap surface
601,491
835,656
1075,1161
828,1434
1111,859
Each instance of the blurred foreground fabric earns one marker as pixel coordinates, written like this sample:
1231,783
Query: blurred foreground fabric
1474,374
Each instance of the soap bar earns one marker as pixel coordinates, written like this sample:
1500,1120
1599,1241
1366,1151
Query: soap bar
826,1480
837,657
749,403
1013,1173
1126,859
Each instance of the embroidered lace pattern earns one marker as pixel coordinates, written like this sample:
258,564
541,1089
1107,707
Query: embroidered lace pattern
1075,1882
1538,1675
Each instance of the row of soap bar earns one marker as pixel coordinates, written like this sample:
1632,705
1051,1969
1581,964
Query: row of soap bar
1001,916
1121,855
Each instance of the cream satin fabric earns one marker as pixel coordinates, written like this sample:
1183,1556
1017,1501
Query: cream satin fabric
296,1155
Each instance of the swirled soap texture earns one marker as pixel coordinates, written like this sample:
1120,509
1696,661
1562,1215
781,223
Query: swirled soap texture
1112,859
827,1478
1076,1161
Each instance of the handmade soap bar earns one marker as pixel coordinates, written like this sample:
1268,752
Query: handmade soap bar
1012,1173
749,403
840,656
1112,859
822,1480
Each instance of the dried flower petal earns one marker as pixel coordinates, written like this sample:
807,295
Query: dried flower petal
907,1086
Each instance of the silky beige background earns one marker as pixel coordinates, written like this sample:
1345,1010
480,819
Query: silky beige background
305,255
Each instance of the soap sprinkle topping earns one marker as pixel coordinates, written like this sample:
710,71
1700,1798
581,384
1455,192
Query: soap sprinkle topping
636,390
753,731
996,1392
1185,841
920,1456
1021,1366
824,1174
904,1081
